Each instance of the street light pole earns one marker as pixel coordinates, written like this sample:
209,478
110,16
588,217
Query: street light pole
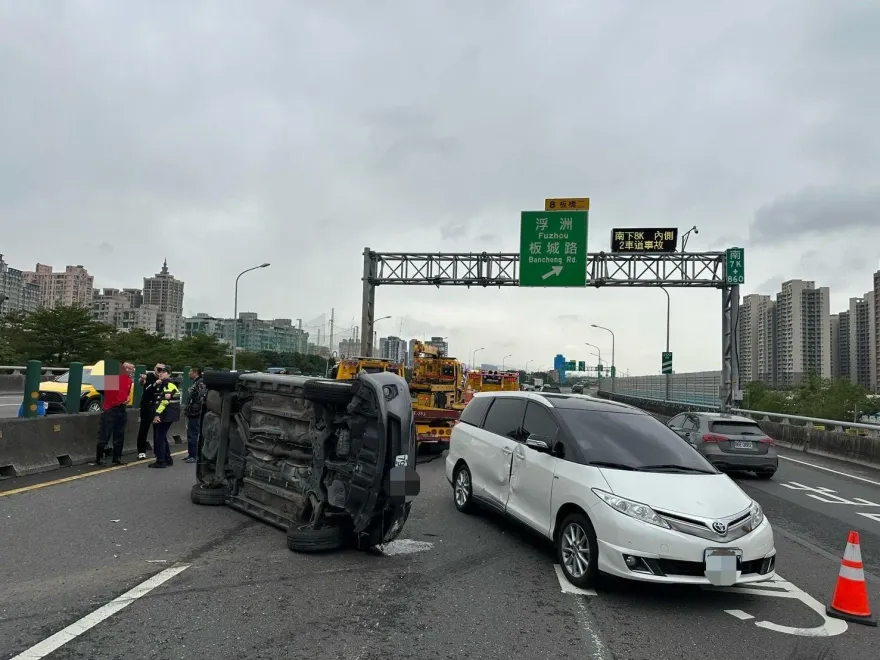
375,321
474,357
235,312
527,367
613,368
504,359
668,315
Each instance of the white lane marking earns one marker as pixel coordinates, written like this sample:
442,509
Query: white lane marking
89,621
739,614
820,467
829,628
591,630
568,587
405,547
817,493
872,516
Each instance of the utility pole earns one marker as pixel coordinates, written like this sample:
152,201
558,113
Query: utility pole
332,318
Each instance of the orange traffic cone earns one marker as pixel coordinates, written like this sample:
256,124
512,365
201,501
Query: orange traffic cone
850,599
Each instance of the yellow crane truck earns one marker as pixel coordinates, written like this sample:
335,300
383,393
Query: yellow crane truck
437,396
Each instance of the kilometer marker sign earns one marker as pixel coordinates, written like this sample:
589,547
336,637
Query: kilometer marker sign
553,248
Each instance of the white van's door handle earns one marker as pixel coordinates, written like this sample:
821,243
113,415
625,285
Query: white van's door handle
507,450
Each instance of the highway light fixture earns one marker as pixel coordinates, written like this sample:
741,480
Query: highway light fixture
235,312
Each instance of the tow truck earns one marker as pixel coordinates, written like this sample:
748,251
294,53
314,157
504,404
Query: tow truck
437,396
349,368
490,381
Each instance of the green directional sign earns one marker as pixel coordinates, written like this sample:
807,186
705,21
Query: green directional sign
582,366
613,371
734,266
553,248
666,362
570,365
599,368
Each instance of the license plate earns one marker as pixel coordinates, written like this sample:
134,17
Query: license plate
722,566
737,444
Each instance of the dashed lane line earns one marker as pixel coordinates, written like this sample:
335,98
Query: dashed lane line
77,628
55,482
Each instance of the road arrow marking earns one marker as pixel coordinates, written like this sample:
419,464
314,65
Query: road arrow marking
556,270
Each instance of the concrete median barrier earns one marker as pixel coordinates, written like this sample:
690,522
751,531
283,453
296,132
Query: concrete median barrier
32,446
833,444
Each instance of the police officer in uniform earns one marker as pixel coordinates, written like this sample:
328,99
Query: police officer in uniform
166,411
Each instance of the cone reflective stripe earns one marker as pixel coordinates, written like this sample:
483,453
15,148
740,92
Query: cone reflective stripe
850,599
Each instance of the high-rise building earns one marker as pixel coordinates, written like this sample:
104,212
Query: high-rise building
749,331
73,286
124,310
766,321
165,292
16,293
875,296
860,349
803,328
393,348
843,345
440,344
835,346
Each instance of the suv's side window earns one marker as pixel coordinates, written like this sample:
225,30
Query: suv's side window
677,421
690,424
505,417
475,411
539,421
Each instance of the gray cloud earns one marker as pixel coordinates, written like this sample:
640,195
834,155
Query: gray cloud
817,211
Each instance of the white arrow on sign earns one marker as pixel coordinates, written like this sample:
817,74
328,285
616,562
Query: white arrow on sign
556,270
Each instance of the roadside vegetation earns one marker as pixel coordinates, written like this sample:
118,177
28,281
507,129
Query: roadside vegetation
63,335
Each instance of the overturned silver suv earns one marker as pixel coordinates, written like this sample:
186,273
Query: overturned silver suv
331,462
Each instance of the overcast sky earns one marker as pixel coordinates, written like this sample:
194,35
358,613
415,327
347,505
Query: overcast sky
222,134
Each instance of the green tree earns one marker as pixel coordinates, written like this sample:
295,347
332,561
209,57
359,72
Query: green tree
139,347
199,350
248,360
62,335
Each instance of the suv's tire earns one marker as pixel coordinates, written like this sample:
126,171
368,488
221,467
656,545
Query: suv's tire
94,405
221,380
462,489
305,538
576,538
327,391
208,496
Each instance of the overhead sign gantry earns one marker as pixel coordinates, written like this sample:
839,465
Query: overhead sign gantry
717,270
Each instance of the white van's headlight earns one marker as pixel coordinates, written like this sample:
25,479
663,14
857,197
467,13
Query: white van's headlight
757,515
632,509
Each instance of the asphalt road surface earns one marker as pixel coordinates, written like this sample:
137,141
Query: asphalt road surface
9,404
217,584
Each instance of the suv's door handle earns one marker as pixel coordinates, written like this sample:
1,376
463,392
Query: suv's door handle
507,450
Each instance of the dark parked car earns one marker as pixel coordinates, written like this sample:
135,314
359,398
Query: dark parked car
327,461
729,442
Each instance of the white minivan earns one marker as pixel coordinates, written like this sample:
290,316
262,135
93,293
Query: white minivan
614,489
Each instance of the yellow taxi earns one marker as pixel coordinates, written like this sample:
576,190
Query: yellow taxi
54,392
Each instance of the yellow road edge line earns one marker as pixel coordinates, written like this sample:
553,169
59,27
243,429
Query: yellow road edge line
46,484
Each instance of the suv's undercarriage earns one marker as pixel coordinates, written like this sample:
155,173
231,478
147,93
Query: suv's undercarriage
318,458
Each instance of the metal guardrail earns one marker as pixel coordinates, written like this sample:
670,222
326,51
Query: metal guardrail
763,415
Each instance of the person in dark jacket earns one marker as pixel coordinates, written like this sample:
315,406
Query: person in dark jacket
165,413
148,408
195,404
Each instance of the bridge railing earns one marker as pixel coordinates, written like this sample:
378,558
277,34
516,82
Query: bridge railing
850,428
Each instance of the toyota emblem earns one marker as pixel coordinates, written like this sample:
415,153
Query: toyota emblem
720,527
